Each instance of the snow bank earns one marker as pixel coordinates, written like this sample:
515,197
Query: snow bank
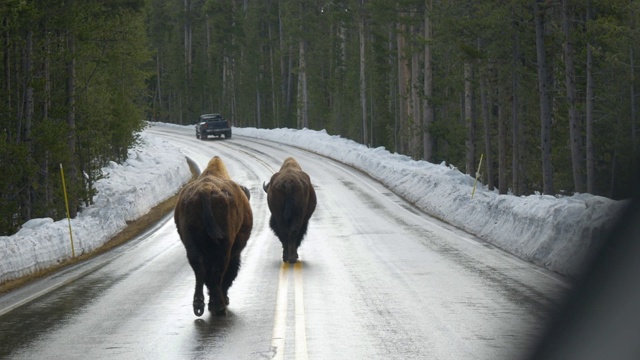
554,232
557,233
152,173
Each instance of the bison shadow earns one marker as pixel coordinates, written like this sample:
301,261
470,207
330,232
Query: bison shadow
213,327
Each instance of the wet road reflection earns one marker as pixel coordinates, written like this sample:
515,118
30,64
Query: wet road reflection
377,280
139,306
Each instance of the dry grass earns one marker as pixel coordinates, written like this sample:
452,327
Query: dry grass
133,229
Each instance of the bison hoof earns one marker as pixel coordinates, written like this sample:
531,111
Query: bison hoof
292,259
219,309
198,307
222,312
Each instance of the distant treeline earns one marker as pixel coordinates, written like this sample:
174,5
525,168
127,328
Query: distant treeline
545,91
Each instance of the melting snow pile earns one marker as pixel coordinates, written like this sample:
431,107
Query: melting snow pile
557,233
153,172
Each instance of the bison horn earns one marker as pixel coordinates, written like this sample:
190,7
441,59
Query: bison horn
246,192
265,187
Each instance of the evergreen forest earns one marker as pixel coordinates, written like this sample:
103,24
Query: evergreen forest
544,91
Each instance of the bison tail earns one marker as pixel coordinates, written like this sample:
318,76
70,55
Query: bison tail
208,220
287,213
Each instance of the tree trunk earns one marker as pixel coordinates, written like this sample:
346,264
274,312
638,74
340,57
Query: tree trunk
232,70
363,83
289,87
486,117
614,158
72,169
516,141
502,151
29,194
28,87
634,136
575,129
258,110
46,69
591,162
303,96
403,85
228,91
469,118
274,97
46,105
19,92
414,129
283,68
427,111
7,68
392,97
188,58
545,107
342,58
158,95
187,39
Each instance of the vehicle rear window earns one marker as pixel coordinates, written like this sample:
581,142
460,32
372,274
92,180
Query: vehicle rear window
214,118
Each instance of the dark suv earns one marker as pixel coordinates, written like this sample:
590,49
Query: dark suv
212,124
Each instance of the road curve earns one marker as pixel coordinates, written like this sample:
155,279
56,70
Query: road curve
378,279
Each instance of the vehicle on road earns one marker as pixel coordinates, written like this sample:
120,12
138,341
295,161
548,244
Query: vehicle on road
212,124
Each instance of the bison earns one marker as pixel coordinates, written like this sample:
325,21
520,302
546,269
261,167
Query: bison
214,220
292,200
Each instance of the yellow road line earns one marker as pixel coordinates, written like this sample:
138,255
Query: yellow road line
301,331
280,322
278,339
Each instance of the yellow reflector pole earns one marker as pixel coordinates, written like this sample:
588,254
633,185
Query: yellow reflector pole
66,203
477,176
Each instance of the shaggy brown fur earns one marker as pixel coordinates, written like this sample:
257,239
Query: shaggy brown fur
292,200
214,219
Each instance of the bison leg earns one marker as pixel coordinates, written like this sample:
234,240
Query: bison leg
295,239
289,252
290,248
285,252
198,295
293,250
229,276
293,242
198,300
217,301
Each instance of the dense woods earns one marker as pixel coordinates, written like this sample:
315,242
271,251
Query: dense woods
544,91
73,95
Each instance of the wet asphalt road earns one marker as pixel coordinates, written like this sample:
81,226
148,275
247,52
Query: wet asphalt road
377,279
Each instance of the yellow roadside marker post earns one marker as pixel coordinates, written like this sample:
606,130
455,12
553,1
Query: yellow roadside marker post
66,203
477,176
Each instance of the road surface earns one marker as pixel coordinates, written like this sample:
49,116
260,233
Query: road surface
378,279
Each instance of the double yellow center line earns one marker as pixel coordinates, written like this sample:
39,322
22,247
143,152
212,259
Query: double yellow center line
280,324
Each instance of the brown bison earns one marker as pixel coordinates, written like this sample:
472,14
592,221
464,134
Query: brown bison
214,219
292,200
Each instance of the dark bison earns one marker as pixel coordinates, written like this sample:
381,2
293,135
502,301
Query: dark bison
214,219
292,200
